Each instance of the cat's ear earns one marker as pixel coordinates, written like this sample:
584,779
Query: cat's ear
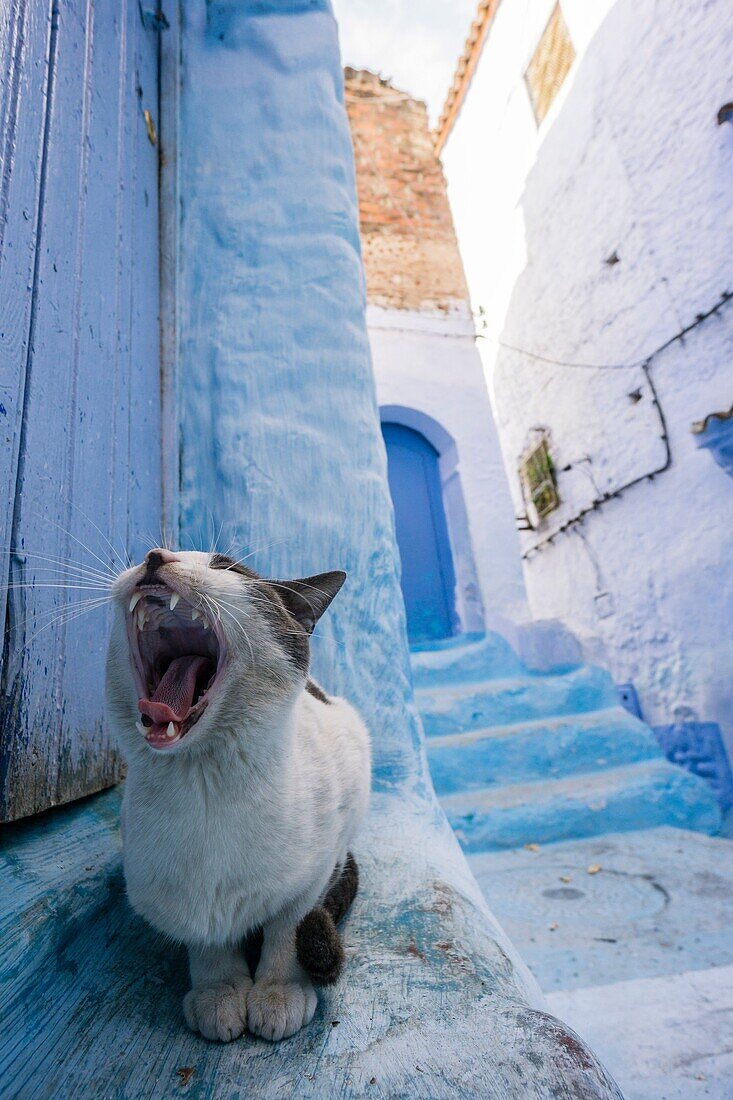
308,598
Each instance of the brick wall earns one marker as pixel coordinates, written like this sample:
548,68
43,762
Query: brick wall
410,252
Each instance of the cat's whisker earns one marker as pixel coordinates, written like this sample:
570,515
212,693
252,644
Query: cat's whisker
47,580
64,563
59,614
57,608
240,629
147,536
120,558
164,540
54,573
313,634
296,591
80,542
218,536
76,611
238,624
63,621
264,547
209,603
33,585
287,589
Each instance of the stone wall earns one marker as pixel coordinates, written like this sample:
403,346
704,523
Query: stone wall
409,246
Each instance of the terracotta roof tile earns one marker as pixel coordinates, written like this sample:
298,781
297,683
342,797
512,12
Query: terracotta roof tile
465,69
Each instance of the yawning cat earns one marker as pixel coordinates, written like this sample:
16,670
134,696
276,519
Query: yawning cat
246,783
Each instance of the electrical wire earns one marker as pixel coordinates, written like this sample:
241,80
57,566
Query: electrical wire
725,297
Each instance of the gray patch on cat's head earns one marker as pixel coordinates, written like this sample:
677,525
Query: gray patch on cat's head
292,607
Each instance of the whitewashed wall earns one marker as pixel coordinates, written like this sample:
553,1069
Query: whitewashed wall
428,362
630,160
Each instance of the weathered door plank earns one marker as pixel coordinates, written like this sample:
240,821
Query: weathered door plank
25,41
89,454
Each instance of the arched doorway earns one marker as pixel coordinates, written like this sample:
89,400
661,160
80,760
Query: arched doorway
428,579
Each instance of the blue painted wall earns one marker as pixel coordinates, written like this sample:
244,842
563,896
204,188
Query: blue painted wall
427,576
281,446
698,746
79,370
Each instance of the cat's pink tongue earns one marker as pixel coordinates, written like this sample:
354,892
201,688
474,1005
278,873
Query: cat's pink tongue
172,699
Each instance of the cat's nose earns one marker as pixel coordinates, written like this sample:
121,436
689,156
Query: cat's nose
158,557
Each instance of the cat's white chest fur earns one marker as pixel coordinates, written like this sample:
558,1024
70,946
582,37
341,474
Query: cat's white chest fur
217,844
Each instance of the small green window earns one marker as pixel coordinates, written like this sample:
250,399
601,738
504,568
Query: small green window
537,472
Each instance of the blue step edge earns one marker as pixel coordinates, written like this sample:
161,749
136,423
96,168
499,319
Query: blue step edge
543,749
457,708
637,796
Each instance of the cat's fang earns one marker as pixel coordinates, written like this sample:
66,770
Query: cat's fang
195,614
141,728
174,600
137,596
171,731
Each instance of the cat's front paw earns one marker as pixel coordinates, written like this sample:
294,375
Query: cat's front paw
218,1011
275,1011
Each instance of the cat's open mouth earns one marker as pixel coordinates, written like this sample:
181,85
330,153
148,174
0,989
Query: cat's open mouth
177,654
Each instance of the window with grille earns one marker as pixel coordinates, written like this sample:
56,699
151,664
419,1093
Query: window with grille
537,472
550,64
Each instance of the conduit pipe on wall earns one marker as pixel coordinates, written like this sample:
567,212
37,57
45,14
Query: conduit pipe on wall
645,367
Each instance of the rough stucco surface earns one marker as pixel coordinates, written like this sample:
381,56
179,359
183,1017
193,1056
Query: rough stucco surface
630,160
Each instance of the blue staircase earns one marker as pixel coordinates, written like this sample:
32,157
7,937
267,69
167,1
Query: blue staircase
519,757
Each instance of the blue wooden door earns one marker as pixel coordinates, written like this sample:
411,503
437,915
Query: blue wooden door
428,581
79,371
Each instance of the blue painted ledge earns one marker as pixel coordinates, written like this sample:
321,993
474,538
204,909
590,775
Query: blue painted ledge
434,1001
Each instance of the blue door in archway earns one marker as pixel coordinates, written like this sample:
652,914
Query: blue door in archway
428,581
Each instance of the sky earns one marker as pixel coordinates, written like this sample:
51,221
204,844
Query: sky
415,43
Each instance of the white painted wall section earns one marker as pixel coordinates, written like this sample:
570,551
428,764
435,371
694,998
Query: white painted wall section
630,160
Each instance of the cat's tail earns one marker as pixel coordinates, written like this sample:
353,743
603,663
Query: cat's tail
317,941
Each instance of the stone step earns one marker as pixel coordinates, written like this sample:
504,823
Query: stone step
470,706
637,796
469,658
541,749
